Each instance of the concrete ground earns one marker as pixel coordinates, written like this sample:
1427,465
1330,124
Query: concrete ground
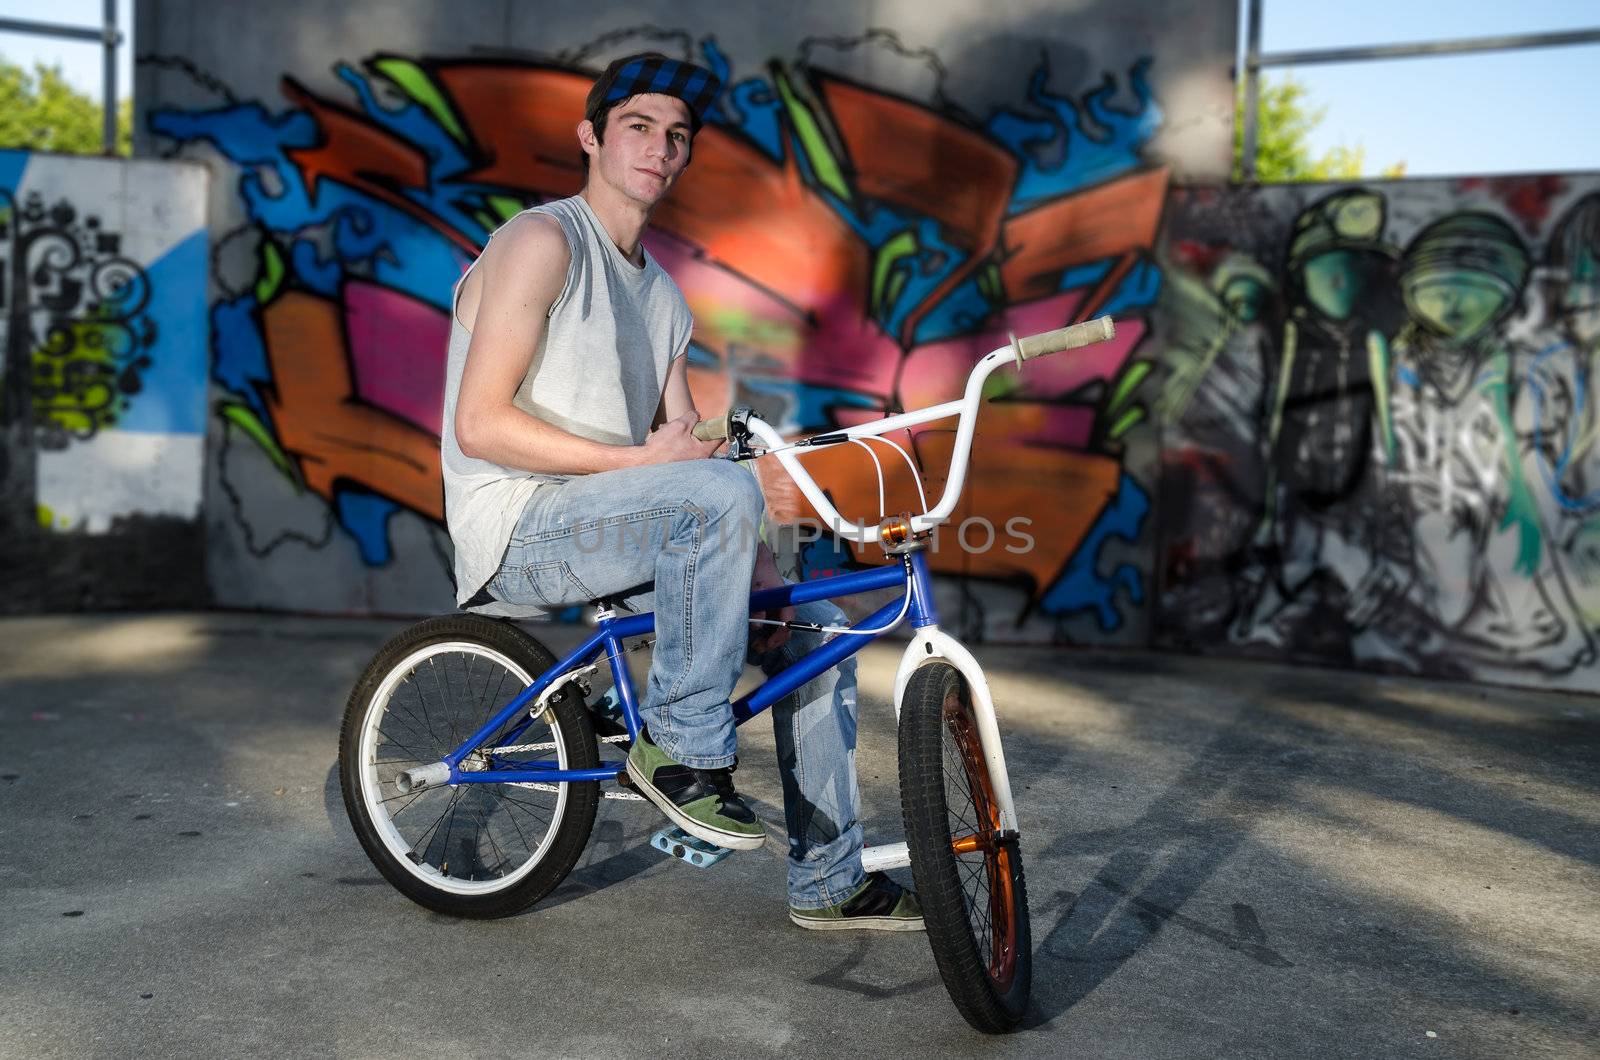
1224,859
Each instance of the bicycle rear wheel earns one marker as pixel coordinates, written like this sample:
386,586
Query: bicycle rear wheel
471,850
968,871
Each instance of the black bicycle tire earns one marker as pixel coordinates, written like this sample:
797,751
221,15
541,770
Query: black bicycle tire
934,867
578,740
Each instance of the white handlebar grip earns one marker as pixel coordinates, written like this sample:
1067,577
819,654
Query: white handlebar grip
1090,331
712,430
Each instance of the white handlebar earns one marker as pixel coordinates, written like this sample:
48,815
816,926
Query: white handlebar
967,408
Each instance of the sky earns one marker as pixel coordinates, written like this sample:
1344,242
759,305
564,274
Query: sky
1529,111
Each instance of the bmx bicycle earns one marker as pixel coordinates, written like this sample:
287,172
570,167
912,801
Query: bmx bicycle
470,762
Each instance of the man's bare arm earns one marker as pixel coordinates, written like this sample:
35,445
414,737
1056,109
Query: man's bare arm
521,275
676,400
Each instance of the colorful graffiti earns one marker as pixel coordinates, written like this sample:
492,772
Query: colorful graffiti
102,319
102,283
78,337
1378,433
846,252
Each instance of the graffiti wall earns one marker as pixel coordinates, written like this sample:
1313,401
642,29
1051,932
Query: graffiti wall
103,331
868,211
1378,435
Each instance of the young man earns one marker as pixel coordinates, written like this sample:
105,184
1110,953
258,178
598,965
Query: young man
568,344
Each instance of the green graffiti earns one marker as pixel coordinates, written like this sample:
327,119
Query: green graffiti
504,206
897,286
901,246
1128,384
1001,385
1334,283
271,272
419,86
989,283
823,163
1200,332
1378,367
1456,305
244,418
753,330
1125,423
78,382
1522,511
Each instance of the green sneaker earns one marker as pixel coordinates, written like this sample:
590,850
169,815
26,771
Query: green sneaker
879,904
700,801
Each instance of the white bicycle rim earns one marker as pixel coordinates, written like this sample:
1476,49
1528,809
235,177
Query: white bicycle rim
397,845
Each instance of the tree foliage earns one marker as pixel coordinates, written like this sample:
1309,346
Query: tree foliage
41,111
1283,150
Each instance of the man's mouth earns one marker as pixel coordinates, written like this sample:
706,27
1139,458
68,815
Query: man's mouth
653,173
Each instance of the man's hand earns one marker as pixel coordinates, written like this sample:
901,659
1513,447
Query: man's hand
673,441
769,638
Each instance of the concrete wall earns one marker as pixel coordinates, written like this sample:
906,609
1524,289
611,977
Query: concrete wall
1351,425
1378,426
884,192
103,288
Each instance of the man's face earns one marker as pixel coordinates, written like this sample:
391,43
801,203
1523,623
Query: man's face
646,146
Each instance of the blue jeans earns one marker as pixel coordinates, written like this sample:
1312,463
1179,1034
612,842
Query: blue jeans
680,539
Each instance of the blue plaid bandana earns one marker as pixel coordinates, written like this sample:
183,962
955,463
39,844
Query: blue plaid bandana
695,85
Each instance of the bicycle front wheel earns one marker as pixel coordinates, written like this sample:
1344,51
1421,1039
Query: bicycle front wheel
471,850
968,871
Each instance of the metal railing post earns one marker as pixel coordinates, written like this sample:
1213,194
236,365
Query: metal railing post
1251,114
108,127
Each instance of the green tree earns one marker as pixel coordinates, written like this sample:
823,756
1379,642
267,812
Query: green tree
40,111
1283,131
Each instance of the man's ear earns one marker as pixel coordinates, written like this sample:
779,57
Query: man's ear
586,137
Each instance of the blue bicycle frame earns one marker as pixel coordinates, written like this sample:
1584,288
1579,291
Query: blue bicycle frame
912,571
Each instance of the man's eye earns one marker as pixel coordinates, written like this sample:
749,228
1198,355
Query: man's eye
678,136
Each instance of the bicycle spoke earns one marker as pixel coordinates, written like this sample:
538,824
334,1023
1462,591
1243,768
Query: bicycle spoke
403,747
414,681
467,708
449,715
512,817
970,811
488,833
412,795
454,795
444,847
495,704
405,718
528,807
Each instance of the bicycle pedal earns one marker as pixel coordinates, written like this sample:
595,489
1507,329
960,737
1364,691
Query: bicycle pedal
685,847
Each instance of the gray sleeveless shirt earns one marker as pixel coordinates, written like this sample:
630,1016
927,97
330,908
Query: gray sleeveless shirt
598,373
